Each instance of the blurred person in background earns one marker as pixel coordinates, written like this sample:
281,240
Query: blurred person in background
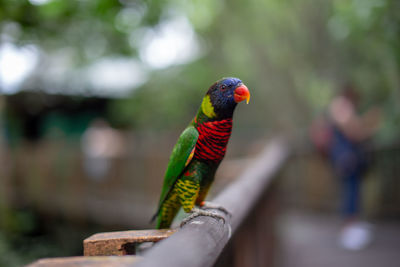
100,144
342,136
350,131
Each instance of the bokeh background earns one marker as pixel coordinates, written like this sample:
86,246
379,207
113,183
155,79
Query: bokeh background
93,95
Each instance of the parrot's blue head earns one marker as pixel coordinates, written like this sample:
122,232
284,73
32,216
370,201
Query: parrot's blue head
225,94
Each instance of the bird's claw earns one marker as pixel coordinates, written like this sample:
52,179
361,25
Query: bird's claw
209,205
199,212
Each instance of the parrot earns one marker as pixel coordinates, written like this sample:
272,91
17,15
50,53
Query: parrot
198,153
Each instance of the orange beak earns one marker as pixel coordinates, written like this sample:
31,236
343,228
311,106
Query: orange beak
241,93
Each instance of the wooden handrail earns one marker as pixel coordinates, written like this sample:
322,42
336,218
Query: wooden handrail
201,241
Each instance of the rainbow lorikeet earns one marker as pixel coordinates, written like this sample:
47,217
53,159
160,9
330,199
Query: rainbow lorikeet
199,151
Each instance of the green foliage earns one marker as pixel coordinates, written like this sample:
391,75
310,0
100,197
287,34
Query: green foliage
170,99
25,237
293,55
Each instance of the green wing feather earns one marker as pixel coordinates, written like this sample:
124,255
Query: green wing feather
178,161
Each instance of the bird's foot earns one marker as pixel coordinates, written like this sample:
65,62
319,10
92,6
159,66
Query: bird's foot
195,212
209,205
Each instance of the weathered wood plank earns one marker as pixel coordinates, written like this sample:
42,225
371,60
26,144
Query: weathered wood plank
121,243
98,261
200,241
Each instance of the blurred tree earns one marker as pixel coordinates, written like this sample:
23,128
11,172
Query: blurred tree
366,34
294,55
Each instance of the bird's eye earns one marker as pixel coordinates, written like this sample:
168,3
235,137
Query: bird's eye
223,86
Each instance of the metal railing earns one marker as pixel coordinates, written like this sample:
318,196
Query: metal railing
201,241
246,238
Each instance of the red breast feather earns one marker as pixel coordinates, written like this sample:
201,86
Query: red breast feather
212,141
